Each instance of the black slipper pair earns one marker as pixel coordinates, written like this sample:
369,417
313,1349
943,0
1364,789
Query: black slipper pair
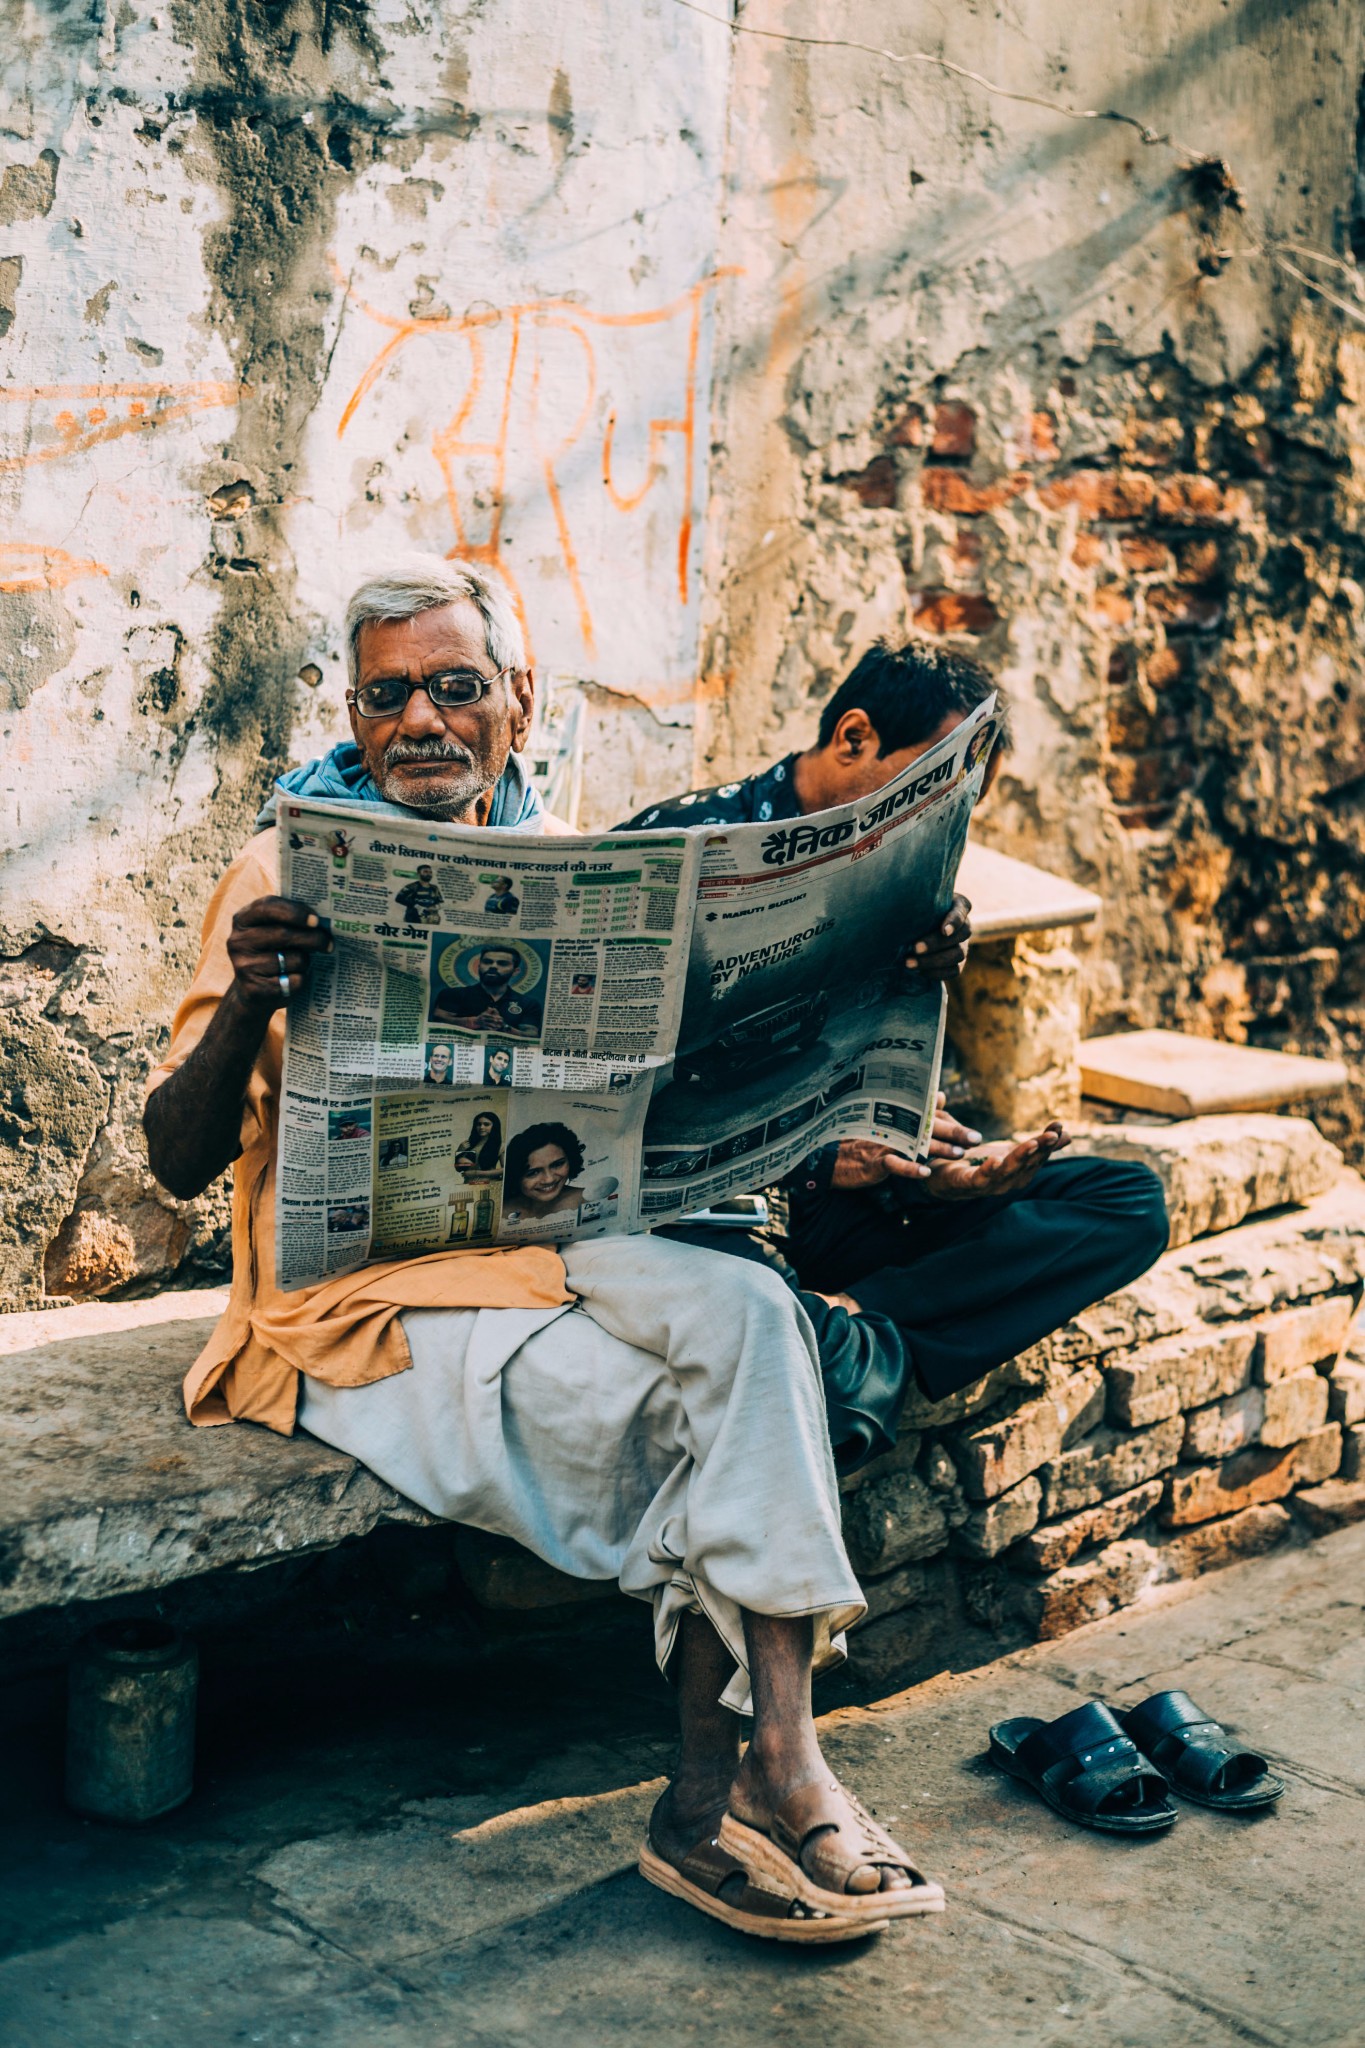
1117,1770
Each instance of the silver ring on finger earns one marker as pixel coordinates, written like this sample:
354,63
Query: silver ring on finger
284,974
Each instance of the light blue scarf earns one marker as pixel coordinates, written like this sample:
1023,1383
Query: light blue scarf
343,776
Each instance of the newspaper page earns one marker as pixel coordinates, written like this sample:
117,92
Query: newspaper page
531,1039
484,989
799,1024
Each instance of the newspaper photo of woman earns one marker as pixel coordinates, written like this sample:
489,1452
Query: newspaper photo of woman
480,1156
541,1163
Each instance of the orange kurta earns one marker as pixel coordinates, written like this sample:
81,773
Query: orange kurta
345,1330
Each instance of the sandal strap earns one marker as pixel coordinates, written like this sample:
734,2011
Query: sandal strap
829,1809
709,1867
1187,1746
1082,1733
1085,1757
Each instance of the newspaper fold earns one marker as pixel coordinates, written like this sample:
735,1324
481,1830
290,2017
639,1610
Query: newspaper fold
525,1039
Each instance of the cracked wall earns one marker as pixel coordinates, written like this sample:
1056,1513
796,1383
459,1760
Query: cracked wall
1055,393
730,353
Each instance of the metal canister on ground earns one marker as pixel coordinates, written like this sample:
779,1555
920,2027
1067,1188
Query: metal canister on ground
131,1694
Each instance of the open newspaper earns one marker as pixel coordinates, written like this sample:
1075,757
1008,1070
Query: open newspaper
530,1039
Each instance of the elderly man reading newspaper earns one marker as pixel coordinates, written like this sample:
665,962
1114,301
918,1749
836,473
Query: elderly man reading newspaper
912,1272
627,1408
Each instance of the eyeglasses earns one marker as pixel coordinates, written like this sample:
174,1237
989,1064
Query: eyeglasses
387,696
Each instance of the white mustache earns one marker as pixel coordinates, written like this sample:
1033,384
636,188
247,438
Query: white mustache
399,751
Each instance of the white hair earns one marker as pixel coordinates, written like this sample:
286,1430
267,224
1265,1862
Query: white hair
413,583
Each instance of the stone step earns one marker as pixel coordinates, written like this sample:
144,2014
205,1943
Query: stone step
1219,1170
1010,896
1174,1074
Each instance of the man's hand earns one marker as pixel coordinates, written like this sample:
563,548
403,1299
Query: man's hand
866,1162
940,954
1000,1169
193,1120
271,937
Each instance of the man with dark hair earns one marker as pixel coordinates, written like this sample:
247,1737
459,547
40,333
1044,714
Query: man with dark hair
490,1002
923,1274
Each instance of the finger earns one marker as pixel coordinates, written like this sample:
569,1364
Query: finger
278,938
946,1126
939,965
276,910
901,1168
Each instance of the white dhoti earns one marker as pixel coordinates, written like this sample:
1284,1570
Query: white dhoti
666,1431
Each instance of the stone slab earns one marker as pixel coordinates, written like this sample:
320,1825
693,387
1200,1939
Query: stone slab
1109,1462
1010,896
1119,1575
1336,1504
1178,1075
1218,1170
1159,1380
105,1488
1298,1337
1196,1493
1049,1548
989,1529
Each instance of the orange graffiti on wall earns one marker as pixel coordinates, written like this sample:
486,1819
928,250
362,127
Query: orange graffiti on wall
85,416
91,413
452,443
26,565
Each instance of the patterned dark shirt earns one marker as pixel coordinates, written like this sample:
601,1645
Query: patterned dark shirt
769,794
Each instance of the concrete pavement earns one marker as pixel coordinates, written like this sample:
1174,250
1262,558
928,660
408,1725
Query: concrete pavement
382,1856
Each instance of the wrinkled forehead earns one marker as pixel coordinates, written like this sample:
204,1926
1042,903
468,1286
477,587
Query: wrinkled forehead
445,636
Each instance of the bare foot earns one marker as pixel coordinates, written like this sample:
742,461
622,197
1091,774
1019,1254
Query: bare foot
762,1785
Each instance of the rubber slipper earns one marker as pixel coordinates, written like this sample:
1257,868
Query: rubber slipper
772,1856
1087,1769
757,1909
1197,1756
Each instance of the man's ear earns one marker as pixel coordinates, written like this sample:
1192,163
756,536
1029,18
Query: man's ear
854,737
522,683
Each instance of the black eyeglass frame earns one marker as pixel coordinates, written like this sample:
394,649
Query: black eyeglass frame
429,684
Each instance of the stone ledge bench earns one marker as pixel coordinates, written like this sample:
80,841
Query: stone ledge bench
1169,1429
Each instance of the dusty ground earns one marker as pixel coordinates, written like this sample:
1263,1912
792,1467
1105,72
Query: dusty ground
376,1858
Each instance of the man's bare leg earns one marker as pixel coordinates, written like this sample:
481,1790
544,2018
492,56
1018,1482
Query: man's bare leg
783,1755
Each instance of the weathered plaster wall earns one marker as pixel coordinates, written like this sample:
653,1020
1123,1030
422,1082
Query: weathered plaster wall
731,352
283,285
1053,391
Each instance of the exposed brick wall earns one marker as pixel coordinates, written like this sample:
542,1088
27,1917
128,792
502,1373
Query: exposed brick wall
1195,556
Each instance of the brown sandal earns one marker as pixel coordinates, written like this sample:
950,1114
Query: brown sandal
772,1857
761,1908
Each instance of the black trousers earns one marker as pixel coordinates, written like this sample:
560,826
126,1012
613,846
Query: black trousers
950,1290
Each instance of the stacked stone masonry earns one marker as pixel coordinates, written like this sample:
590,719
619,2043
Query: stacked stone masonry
1208,1412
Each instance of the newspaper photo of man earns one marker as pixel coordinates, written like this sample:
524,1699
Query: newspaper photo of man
439,1061
497,1068
420,900
541,1164
483,986
502,903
